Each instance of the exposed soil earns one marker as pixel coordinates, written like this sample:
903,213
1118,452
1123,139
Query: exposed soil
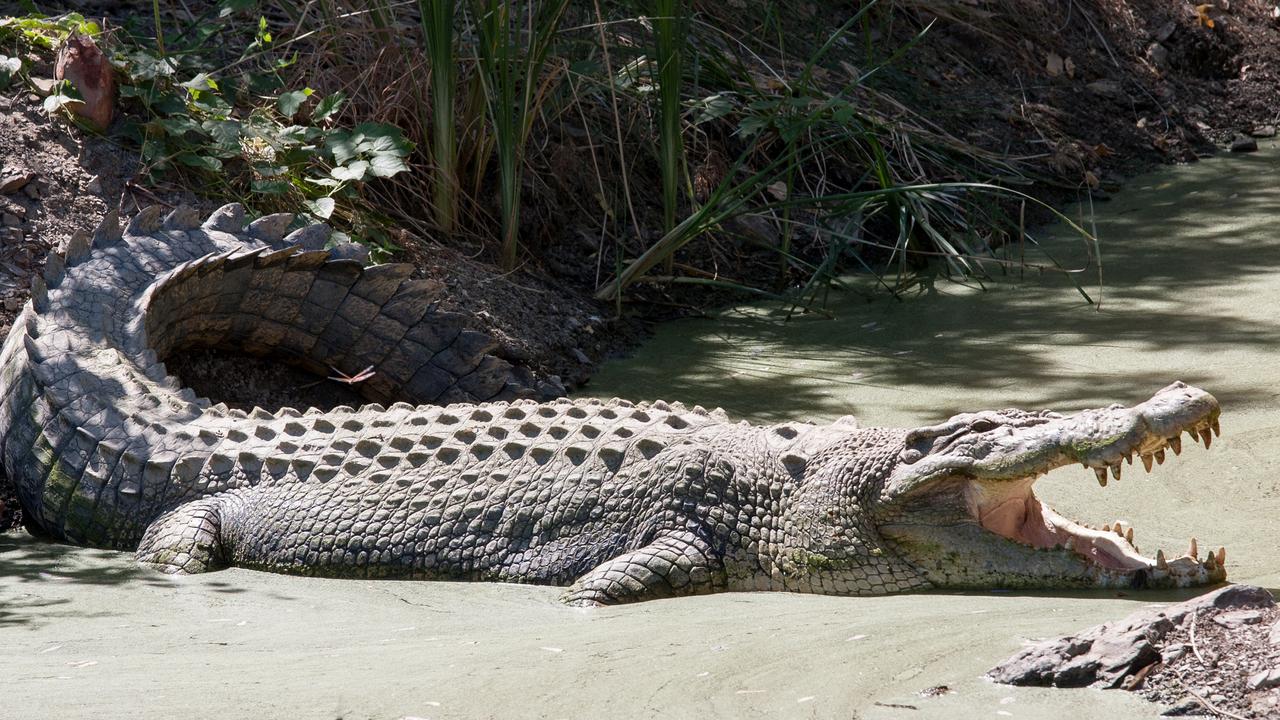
1091,92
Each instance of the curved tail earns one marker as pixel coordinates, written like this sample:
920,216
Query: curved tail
98,438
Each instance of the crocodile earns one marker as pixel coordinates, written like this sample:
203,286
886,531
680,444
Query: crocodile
457,470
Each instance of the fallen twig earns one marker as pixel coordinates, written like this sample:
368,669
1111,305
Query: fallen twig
1194,647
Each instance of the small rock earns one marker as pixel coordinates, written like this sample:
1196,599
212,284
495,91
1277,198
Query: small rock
44,86
12,304
1274,637
1172,653
32,191
1158,55
581,356
10,220
1186,706
1166,31
1264,131
12,182
1107,88
1264,680
1238,618
1244,144
94,186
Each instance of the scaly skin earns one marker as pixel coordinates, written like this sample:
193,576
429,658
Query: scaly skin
620,501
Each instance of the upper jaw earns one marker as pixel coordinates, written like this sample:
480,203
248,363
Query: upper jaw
1098,439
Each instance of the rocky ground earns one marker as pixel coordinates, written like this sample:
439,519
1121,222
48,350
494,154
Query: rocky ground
1216,655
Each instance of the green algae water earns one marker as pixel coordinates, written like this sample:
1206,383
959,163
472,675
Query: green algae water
1191,259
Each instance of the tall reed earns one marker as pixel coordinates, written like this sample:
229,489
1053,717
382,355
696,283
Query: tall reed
513,41
669,33
438,17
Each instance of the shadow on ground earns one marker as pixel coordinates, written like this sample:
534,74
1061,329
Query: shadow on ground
1172,302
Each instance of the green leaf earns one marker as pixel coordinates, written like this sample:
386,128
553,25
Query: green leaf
386,165
204,162
713,107
145,66
290,102
327,106
354,171
271,187
201,82
322,207
225,133
342,145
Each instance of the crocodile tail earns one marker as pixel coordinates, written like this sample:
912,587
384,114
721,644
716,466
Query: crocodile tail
90,416
290,299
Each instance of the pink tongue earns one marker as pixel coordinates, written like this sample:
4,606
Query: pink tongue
1021,520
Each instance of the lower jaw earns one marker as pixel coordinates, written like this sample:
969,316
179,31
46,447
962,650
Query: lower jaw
1109,554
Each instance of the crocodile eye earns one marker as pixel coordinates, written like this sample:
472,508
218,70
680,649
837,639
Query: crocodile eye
909,455
982,425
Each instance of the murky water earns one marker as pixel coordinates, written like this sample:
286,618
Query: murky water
1192,270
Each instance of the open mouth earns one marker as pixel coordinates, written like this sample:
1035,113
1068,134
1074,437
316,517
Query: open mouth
1011,510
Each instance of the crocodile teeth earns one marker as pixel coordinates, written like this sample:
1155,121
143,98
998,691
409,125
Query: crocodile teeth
1160,561
1176,444
1115,471
1206,437
1102,476
1222,556
1194,551
1106,528
1159,457
1146,462
1217,428
1129,458
1128,536
1118,529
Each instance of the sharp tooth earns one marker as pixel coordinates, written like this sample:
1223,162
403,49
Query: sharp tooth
1118,528
1129,458
1176,444
1222,556
1102,476
1106,528
1128,536
1146,462
1194,551
1070,544
1206,437
1210,562
1159,457
1115,471
1217,428
1191,433
1160,561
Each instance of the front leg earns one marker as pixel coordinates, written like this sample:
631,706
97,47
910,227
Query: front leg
675,564
187,540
